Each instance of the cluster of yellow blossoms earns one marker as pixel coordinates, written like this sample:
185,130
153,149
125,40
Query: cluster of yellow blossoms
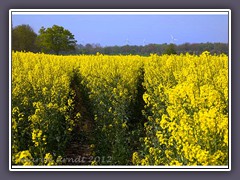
41,125
187,110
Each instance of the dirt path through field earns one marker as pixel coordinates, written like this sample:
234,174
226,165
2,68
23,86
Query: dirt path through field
79,151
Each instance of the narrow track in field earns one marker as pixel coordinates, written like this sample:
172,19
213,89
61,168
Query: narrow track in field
78,151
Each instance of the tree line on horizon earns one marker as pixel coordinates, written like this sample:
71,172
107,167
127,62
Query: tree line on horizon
57,40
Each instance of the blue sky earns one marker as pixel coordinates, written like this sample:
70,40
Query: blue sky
108,30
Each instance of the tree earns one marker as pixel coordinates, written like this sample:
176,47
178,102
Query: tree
170,49
55,39
23,38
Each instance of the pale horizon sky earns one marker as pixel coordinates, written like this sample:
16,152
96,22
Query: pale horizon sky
110,30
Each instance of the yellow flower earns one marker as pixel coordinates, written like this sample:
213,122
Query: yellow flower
124,125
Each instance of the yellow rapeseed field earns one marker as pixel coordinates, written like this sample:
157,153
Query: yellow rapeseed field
184,119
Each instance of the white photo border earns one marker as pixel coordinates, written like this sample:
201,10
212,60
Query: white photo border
120,12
